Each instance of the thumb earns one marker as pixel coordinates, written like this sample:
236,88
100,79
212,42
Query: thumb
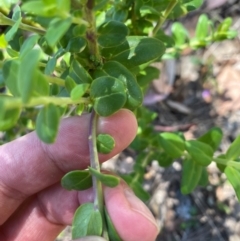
130,216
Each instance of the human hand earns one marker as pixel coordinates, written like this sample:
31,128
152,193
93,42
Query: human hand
34,206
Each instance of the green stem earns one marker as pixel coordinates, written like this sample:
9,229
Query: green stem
55,80
94,161
8,21
12,102
144,163
164,16
227,163
91,33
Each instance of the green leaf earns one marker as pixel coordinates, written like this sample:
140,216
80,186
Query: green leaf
105,143
147,75
78,91
17,18
3,42
50,67
26,74
39,8
106,179
233,177
41,86
28,44
180,34
81,74
213,137
134,93
202,27
233,151
108,94
112,233
47,123
191,175
200,152
172,144
140,192
10,74
203,181
87,221
77,180
58,27
164,159
76,45
70,84
8,116
137,50
112,33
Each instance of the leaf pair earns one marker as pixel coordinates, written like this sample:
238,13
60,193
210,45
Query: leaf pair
82,180
116,88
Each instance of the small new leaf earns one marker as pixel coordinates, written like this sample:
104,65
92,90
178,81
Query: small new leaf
105,143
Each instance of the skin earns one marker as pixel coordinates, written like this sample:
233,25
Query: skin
34,206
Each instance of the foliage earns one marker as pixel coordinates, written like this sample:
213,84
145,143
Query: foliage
62,58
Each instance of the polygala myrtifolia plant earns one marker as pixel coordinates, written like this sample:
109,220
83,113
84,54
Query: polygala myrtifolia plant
66,57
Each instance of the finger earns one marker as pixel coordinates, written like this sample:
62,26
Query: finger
54,208
130,216
91,238
28,165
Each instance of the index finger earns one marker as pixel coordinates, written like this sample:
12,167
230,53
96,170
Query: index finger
28,165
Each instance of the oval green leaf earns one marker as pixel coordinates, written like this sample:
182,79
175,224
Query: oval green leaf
108,94
112,33
233,177
133,91
105,143
200,152
172,144
138,50
47,123
233,151
212,138
191,175
86,221
77,180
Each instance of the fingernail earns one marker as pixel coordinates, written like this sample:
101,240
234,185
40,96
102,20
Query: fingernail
138,206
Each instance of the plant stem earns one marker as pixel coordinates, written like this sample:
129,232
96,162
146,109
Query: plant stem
164,16
91,33
8,21
227,163
144,163
12,102
94,161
